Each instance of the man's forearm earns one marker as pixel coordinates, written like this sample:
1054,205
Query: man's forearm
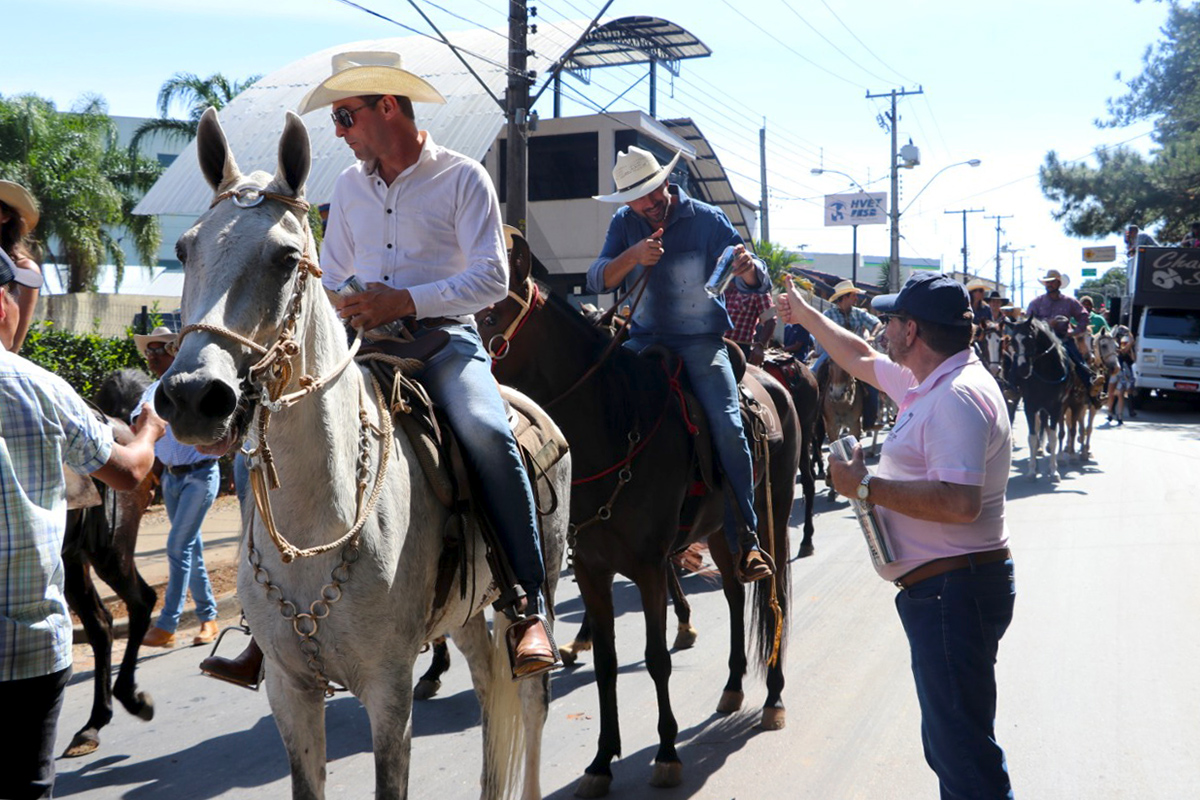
618,269
933,501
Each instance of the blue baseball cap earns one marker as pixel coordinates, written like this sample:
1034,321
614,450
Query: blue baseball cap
8,270
930,297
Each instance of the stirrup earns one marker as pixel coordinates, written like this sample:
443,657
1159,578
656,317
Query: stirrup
242,627
511,638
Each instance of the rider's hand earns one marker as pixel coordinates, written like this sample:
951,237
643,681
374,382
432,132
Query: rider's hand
743,265
378,305
648,251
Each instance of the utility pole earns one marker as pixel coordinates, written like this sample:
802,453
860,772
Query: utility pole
998,217
893,120
764,228
517,108
964,212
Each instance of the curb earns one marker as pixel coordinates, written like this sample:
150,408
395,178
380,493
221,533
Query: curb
226,604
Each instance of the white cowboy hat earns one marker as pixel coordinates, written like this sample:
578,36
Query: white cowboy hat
1054,275
843,288
361,73
511,232
637,174
160,334
19,198
976,283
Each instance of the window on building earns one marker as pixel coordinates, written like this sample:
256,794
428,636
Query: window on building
561,167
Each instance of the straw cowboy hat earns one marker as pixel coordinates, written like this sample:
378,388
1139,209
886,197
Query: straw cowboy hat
994,295
637,173
160,334
1054,275
976,283
511,233
844,288
359,73
18,197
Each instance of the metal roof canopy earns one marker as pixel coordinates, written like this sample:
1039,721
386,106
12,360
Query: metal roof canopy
631,40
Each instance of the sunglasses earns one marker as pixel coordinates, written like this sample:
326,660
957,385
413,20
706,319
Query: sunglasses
345,116
156,347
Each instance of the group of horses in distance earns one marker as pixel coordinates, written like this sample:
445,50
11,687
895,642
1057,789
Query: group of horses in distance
1030,363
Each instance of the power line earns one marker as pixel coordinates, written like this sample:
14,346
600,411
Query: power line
864,46
831,44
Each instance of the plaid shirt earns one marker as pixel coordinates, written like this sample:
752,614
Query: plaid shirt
43,423
744,310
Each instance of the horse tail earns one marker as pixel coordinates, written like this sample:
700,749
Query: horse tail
772,599
503,728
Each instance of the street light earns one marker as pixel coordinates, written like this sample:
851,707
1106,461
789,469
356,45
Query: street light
854,225
894,260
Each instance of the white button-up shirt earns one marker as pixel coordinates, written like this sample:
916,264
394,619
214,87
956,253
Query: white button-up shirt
435,231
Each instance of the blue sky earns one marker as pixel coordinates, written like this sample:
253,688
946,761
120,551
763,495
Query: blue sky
1003,82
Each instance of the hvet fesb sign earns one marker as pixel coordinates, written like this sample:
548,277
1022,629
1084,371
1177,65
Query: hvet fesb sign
861,208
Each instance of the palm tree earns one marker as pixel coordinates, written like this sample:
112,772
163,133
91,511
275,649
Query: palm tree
195,94
776,257
86,184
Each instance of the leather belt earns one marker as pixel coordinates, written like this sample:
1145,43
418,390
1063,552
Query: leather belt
184,469
940,566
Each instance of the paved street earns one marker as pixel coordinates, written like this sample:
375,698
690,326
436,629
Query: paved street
1097,675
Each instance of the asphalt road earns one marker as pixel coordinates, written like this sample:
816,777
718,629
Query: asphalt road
1097,675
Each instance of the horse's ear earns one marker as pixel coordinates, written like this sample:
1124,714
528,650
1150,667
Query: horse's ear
212,150
295,155
520,262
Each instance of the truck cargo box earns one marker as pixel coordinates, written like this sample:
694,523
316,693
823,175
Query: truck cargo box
1167,277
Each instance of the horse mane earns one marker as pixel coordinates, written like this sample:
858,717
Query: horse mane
120,392
636,386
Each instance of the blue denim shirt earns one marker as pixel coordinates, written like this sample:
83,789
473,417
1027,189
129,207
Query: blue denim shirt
675,301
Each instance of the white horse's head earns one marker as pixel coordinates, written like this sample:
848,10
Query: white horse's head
242,260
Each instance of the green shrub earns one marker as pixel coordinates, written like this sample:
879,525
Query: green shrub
81,359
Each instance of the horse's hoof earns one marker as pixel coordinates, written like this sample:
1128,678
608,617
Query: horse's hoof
593,786
667,774
730,702
1055,477
570,652
425,689
806,550
685,637
773,719
85,742
144,706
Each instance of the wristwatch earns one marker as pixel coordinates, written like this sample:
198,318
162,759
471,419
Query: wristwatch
864,488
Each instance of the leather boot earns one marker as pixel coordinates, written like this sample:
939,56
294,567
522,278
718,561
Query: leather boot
243,670
754,566
207,633
157,637
532,648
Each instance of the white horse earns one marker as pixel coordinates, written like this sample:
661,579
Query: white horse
341,592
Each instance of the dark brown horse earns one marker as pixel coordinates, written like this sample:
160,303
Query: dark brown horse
800,381
635,499
103,538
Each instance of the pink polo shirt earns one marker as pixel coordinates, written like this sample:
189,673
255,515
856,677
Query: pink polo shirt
951,427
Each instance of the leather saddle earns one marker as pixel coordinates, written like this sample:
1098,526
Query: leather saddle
397,365
760,421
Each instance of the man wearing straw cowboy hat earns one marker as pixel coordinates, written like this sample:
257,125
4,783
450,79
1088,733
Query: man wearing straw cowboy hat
677,240
1058,310
862,323
190,481
420,227
44,426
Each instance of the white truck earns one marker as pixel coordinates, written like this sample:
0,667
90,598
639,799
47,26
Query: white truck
1162,308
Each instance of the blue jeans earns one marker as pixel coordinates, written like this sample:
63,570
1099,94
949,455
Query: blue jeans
954,623
459,380
711,377
188,498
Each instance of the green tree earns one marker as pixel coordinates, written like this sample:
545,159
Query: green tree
1111,283
86,185
776,257
1161,190
195,94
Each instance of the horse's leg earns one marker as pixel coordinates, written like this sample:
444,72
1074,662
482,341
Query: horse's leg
1034,421
809,485
582,643
685,633
300,716
1052,426
431,681
774,714
596,591
116,567
668,769
85,600
735,596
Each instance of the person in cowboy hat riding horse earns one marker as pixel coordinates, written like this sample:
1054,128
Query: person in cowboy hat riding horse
660,229
1052,306
846,312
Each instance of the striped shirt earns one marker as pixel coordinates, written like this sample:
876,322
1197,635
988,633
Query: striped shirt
43,423
169,450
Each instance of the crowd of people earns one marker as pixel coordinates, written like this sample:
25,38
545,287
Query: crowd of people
939,484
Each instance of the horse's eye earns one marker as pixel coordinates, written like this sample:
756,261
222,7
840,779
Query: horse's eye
490,319
288,259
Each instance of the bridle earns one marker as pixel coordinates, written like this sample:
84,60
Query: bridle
531,300
272,374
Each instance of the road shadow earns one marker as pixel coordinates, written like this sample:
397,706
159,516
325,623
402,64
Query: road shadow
703,749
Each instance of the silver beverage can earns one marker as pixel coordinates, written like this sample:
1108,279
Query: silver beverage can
353,285
722,275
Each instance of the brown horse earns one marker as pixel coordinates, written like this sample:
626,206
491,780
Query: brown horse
103,538
800,381
841,406
636,498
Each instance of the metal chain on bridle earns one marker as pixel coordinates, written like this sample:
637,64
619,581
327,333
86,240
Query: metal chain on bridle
266,382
